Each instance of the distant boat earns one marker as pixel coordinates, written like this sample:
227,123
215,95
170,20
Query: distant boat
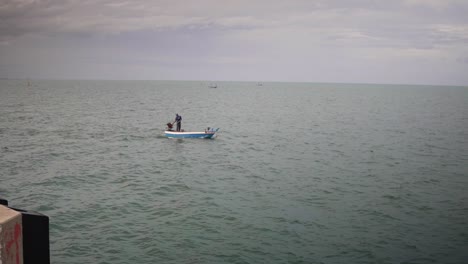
213,85
259,84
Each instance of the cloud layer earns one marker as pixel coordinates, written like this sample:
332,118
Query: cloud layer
167,38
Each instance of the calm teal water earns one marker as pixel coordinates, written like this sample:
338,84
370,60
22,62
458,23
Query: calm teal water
300,173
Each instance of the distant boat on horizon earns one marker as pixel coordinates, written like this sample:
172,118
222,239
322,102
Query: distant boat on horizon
213,85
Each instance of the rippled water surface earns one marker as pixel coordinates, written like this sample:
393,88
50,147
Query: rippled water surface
299,173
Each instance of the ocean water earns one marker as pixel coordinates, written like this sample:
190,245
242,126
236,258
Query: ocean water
299,172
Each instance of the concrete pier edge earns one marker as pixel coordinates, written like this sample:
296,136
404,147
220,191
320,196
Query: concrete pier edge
24,236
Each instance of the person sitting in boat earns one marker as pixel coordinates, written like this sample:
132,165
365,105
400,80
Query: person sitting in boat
178,120
169,126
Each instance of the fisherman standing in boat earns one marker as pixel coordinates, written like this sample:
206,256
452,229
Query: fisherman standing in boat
178,120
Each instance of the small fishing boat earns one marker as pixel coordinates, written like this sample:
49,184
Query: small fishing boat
208,133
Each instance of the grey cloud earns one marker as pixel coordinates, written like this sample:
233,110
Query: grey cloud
462,60
106,16
232,31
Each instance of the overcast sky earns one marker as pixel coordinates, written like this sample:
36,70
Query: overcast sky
363,41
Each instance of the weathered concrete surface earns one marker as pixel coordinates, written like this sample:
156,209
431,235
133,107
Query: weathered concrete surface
11,236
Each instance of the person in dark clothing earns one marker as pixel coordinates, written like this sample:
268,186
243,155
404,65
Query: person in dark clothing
169,126
178,120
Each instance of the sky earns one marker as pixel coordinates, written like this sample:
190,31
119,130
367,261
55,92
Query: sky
354,41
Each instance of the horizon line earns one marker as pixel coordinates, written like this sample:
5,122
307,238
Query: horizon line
242,81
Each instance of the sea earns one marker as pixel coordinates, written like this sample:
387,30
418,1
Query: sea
298,172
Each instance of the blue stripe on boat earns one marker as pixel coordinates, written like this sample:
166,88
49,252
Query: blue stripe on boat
175,134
